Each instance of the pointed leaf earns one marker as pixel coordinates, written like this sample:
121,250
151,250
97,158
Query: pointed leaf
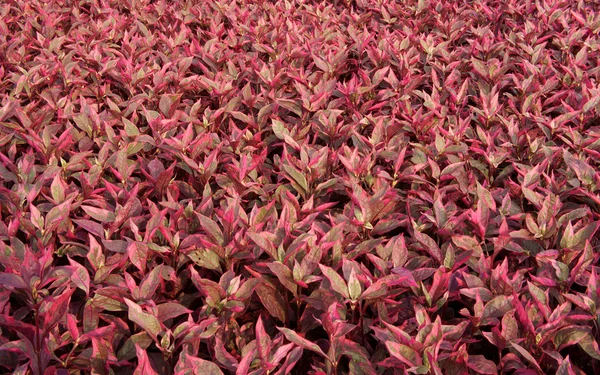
337,282
80,276
292,336
147,321
481,365
272,300
170,310
497,307
144,367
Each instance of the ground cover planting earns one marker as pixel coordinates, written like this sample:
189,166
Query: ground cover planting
362,187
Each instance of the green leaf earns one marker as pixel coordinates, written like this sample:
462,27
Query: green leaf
485,197
292,336
565,367
171,310
538,295
121,163
190,365
480,67
376,290
263,241
585,172
84,123
532,196
590,346
593,102
526,355
467,243
148,322
80,276
99,214
337,282
279,129
150,282
138,255
497,307
430,246
510,327
211,228
586,233
297,177
57,215
11,280
206,258
213,292
481,365
165,104
127,351
561,269
130,129
570,336
404,353
311,260
441,216
107,303
357,353
284,275
568,237
57,189
272,300
354,287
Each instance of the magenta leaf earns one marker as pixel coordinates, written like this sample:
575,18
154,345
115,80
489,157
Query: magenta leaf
144,366
481,365
272,300
80,276
400,187
301,341
337,282
170,310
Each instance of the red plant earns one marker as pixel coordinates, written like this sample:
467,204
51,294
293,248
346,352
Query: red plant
304,187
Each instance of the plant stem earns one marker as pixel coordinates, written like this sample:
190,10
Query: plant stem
360,321
66,361
38,340
299,325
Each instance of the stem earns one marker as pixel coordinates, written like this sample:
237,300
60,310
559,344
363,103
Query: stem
38,340
66,361
360,322
167,367
298,314
333,363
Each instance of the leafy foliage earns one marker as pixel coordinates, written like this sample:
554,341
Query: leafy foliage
305,187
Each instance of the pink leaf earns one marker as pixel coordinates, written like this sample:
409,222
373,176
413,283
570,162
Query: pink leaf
481,365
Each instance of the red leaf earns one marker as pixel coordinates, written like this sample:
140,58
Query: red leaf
481,365
292,336
53,309
263,341
138,255
337,282
144,367
12,281
80,276
170,310
272,300
429,245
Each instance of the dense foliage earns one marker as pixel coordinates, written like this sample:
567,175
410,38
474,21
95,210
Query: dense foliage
304,187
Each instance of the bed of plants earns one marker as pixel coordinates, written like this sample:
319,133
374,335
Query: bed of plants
299,187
